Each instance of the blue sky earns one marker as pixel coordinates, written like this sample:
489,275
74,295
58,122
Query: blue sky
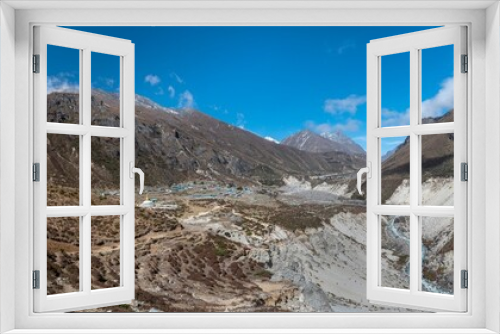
273,81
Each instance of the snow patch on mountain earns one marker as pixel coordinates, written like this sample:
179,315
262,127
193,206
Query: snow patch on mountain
149,104
271,139
302,139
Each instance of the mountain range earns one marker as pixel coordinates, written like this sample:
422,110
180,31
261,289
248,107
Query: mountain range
337,141
177,145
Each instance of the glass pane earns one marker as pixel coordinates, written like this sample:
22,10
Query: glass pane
395,181
105,261
395,251
437,254
437,84
105,171
105,104
437,169
63,255
63,82
395,89
63,170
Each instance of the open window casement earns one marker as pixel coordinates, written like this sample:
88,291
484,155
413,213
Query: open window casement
79,218
415,219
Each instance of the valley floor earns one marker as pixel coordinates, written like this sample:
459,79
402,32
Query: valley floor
208,247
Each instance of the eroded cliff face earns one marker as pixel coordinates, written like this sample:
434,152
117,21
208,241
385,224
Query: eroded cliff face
437,236
327,264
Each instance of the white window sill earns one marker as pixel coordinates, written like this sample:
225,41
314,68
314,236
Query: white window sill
250,331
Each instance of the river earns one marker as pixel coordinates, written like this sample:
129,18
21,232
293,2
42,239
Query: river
427,285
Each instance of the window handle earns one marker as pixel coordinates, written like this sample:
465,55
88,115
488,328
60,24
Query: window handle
368,171
139,171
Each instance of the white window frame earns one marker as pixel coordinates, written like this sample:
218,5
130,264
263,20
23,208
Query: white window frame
413,44
484,212
123,50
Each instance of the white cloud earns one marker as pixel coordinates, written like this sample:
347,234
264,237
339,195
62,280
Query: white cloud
395,118
349,104
60,83
350,125
271,139
436,106
240,120
152,79
171,92
440,103
186,100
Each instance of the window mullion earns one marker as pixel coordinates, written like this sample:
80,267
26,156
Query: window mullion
85,170
414,169
80,154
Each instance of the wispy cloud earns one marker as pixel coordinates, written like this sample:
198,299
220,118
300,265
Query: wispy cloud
346,46
62,83
109,82
350,125
440,103
152,79
186,100
360,139
177,77
219,109
348,104
240,120
339,48
106,83
171,92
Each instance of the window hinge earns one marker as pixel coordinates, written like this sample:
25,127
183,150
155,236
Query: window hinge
36,279
465,279
464,171
36,172
36,63
465,64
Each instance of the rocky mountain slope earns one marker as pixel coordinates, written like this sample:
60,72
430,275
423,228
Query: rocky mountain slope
437,159
347,144
178,145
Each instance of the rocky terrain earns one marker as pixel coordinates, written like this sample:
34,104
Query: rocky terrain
231,222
